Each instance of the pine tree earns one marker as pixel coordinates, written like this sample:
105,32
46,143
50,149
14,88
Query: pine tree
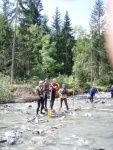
68,42
30,13
56,24
8,10
57,38
96,28
5,37
45,29
30,19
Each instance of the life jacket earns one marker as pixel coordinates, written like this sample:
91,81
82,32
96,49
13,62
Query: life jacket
57,87
46,87
54,87
92,91
40,90
111,89
63,91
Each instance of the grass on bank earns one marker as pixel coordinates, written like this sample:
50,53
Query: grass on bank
15,92
5,93
24,92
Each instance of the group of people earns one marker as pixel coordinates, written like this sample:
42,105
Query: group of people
44,89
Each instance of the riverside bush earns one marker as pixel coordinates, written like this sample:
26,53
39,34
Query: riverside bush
5,93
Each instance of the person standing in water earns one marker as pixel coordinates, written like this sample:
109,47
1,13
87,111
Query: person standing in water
63,93
92,92
39,91
111,91
54,86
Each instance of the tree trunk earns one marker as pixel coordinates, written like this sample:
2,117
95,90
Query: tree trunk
13,48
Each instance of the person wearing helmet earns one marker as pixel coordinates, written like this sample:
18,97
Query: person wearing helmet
54,86
39,91
46,92
92,92
63,92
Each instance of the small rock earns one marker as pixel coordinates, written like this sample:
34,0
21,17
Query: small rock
87,115
2,139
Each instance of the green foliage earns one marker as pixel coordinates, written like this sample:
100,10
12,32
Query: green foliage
96,15
56,24
47,53
45,29
81,58
5,44
5,92
96,27
64,79
51,51
68,42
63,37
105,80
31,13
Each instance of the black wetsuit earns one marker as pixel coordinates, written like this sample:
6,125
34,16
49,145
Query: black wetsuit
52,94
40,101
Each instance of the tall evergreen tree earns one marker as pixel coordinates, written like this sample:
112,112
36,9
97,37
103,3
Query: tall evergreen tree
30,13
96,28
68,43
56,24
8,10
57,38
45,29
30,17
5,37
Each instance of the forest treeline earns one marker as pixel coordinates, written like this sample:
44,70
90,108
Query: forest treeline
33,48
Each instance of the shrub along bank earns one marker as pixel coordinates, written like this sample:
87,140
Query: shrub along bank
24,92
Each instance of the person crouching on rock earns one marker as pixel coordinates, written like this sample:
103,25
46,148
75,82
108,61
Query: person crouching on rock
39,91
63,93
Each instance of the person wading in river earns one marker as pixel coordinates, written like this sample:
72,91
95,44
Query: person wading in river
63,92
54,86
39,91
111,91
92,92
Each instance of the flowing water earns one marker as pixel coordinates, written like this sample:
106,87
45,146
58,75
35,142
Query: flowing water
82,128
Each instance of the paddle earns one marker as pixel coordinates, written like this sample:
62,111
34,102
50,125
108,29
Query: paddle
49,112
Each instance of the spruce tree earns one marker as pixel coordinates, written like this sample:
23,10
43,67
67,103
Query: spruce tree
6,37
45,29
30,13
57,38
68,42
56,24
96,28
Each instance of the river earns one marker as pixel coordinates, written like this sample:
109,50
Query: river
84,127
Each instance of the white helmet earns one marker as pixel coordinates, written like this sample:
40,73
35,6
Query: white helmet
40,82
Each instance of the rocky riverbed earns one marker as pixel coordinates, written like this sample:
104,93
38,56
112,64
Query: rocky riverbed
85,127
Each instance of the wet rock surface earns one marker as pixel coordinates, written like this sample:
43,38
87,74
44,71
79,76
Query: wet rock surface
85,126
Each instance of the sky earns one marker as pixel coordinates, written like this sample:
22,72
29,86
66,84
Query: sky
79,10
